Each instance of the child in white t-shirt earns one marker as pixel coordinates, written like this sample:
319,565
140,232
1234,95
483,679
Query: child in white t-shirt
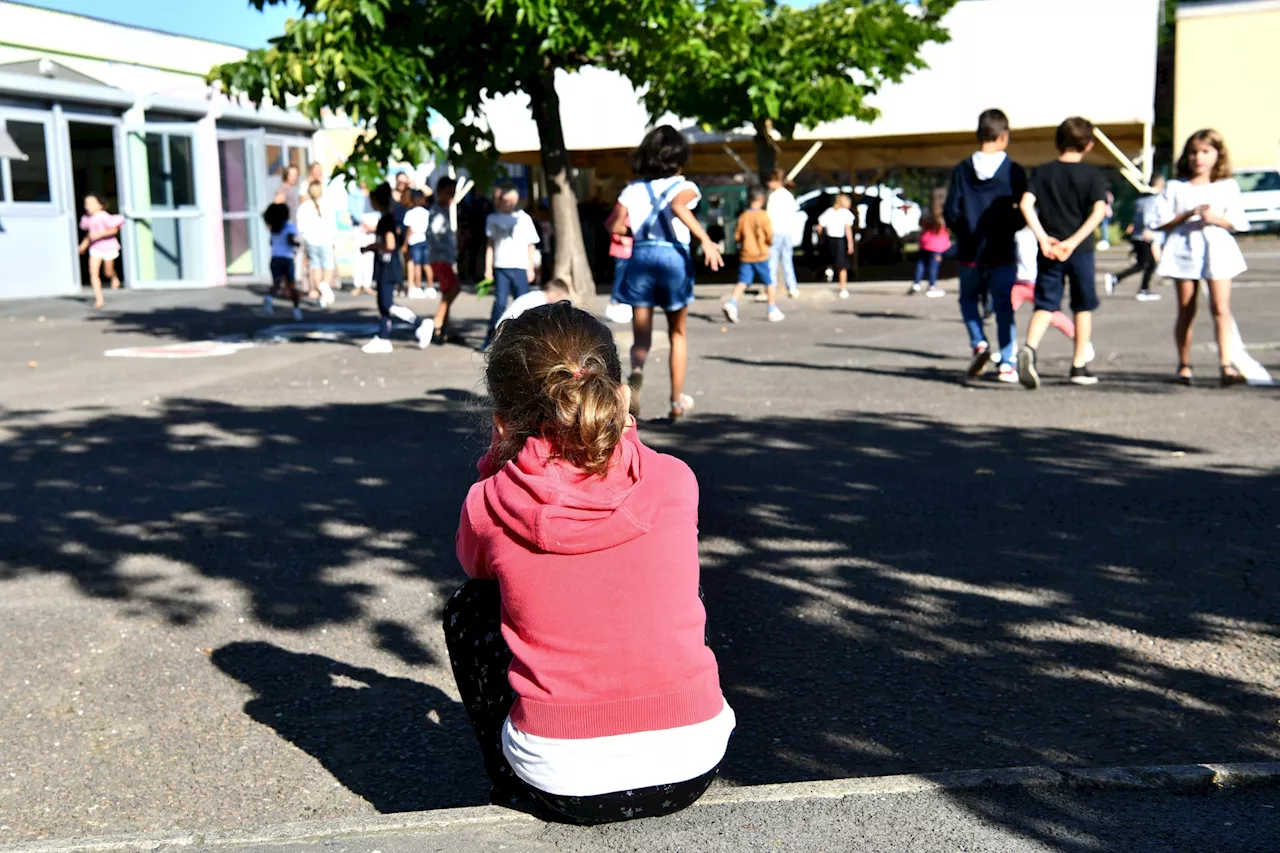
836,225
510,259
416,220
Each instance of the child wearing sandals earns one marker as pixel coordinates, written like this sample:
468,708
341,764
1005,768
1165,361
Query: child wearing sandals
578,647
1200,210
657,207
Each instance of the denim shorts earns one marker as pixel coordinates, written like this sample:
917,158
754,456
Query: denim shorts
418,253
320,257
749,272
659,275
1078,271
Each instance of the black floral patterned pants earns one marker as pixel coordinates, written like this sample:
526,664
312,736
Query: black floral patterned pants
480,659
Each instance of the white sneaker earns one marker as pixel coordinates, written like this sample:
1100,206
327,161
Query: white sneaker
297,315
1103,245
935,292
831,275
326,295
844,294
731,311
417,293
403,314
793,292
432,293
377,346
914,289
423,333
1109,282
776,315
268,306
1147,296
1007,374
1089,352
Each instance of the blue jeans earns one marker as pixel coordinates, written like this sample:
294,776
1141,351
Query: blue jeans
619,273
934,260
506,284
975,284
783,253
659,274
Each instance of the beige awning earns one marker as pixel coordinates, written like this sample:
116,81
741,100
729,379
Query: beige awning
8,148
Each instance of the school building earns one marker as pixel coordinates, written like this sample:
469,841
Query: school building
1224,66
89,106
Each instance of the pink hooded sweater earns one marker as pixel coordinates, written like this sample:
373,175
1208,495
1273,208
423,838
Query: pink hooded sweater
599,584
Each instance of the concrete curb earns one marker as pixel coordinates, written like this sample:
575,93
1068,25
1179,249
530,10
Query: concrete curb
1181,778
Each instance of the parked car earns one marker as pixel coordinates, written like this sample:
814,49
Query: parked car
1261,197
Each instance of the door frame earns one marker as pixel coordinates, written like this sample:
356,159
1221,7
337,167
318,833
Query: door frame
255,149
117,144
134,216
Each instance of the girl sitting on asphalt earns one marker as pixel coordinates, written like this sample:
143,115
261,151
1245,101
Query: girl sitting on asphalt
578,647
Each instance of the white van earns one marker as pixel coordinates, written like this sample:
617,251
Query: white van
1261,197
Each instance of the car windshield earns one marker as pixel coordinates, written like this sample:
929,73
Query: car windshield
1256,182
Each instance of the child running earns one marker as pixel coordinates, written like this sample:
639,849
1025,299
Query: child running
754,236
935,241
578,646
1064,205
836,224
510,258
442,254
1146,240
1201,209
658,205
102,243
982,211
388,273
284,242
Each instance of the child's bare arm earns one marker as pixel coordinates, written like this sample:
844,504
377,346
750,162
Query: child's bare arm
488,260
848,236
768,232
1090,225
533,263
618,222
710,251
1028,208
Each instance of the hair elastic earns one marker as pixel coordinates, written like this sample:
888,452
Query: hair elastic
577,374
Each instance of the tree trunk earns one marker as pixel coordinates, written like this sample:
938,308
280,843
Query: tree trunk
766,154
571,262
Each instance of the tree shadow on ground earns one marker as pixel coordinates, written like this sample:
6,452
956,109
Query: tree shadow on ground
398,743
886,594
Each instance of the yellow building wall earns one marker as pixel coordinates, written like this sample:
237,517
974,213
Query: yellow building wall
1225,69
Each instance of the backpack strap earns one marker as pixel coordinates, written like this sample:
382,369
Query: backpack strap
658,203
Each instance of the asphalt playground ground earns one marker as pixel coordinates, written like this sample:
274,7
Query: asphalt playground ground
221,576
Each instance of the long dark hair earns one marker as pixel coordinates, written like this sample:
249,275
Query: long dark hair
661,154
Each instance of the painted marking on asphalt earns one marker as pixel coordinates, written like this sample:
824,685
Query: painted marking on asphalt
188,349
316,331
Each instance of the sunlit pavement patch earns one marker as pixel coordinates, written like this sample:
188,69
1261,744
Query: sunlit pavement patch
188,349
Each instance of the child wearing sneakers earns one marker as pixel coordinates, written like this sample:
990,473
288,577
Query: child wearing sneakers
1064,205
510,259
836,225
982,211
754,236
442,254
1024,291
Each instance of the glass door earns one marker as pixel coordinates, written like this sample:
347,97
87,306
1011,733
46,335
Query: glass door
164,236
241,159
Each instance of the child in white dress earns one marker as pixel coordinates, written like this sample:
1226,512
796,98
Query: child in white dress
1200,210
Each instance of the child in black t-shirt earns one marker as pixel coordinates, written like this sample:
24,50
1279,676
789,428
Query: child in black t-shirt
1064,204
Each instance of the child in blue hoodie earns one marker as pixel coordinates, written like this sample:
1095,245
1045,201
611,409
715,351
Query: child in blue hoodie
982,212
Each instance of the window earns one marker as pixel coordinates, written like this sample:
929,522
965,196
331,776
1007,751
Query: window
1255,182
29,179
172,177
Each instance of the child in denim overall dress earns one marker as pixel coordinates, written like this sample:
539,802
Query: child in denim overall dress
658,206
